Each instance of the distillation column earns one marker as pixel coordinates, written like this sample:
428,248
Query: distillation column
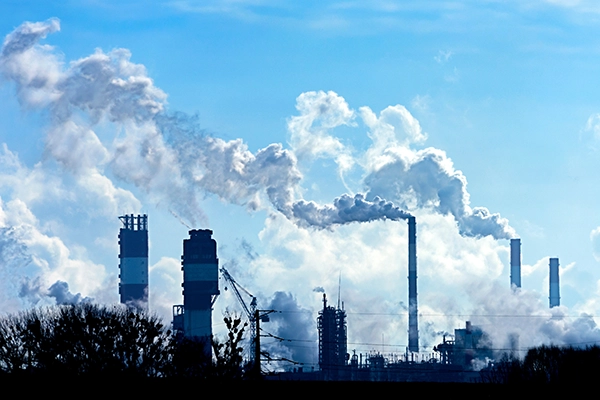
413,325
200,284
515,263
554,283
133,265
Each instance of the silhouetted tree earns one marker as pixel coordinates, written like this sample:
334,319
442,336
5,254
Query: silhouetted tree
507,370
547,364
89,340
190,359
84,340
228,355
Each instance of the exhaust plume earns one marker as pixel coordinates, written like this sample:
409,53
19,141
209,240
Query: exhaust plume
295,325
108,86
168,158
346,209
427,179
60,292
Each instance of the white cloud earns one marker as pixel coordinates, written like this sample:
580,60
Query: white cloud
41,258
309,132
394,126
165,277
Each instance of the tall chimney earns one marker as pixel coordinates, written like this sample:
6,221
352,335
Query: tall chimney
200,284
554,283
413,325
515,263
133,264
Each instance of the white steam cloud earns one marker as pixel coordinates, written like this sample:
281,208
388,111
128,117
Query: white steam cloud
427,179
295,325
310,131
346,209
174,163
60,292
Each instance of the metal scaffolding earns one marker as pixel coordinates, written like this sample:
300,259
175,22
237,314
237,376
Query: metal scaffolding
333,340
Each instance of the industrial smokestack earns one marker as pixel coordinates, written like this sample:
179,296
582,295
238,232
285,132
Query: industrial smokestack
554,283
200,284
515,263
133,267
413,325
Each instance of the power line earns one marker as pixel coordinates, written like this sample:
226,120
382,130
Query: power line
403,314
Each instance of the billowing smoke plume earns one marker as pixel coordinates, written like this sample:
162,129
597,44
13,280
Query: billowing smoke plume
228,169
346,209
101,86
295,325
175,164
60,292
108,86
421,178
427,179
411,179
33,291
309,132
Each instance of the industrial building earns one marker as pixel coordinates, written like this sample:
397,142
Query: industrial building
452,360
333,340
469,344
200,267
133,256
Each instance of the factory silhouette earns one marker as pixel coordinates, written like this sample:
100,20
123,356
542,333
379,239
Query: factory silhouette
453,360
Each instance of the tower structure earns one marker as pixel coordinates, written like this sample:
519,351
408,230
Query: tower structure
413,324
515,263
200,284
333,340
554,283
133,265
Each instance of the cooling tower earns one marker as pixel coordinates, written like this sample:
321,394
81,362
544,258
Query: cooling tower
133,265
554,283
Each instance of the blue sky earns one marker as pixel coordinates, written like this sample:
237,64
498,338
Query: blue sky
501,95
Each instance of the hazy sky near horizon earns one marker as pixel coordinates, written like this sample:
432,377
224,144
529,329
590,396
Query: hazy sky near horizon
251,117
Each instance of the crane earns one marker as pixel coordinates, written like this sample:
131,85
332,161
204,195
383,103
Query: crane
251,311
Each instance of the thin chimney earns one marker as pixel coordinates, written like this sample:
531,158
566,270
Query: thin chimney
554,283
413,325
515,263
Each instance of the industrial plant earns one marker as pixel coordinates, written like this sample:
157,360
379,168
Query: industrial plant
452,360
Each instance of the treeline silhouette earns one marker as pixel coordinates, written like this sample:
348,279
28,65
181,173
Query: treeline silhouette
92,341
547,365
